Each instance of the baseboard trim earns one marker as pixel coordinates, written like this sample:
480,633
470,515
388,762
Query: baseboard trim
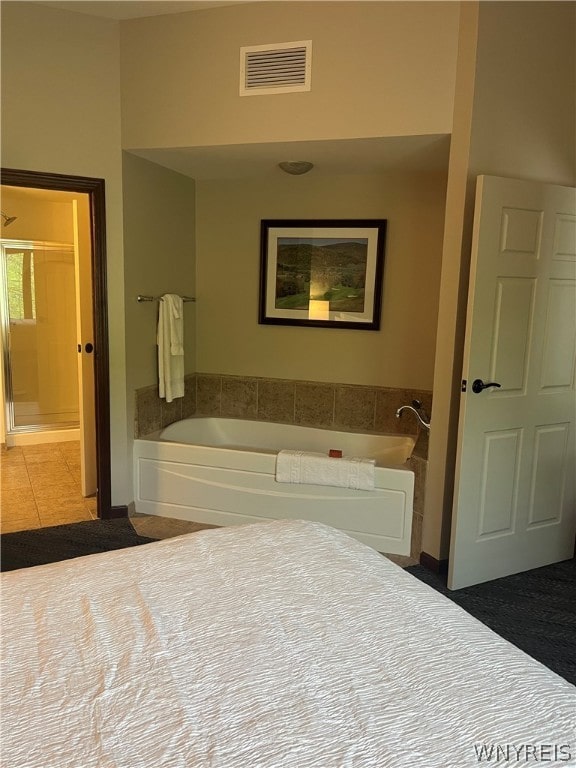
112,513
437,566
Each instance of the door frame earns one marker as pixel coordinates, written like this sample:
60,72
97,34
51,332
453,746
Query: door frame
95,189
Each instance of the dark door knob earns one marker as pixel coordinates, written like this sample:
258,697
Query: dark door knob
89,348
478,385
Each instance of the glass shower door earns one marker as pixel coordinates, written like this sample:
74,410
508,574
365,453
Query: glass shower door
39,321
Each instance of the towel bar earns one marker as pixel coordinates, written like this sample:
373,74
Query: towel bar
159,298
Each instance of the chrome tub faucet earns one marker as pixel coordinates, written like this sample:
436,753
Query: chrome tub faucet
417,409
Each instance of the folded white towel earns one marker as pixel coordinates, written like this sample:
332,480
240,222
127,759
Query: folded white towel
319,469
171,347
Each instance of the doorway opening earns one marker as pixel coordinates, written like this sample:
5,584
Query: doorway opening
39,319
55,328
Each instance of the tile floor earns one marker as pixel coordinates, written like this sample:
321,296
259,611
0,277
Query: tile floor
164,527
40,486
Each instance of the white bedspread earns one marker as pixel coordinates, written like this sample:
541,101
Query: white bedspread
278,645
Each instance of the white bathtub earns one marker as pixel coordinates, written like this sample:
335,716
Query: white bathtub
222,472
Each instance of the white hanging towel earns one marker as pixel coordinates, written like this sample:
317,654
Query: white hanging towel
319,469
171,347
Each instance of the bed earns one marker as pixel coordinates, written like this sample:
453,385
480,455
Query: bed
277,645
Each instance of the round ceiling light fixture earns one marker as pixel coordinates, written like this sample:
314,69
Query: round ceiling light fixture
296,167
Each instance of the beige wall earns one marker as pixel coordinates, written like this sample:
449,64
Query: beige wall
231,341
524,122
159,248
515,115
61,113
37,218
378,69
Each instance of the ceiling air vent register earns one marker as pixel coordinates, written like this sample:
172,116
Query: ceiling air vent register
275,68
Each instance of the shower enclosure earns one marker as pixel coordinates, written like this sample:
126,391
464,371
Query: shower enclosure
38,312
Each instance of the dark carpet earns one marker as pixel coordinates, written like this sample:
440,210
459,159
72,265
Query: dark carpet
535,611
64,542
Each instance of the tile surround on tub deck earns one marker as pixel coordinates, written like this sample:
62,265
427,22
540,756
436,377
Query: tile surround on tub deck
189,399
239,398
208,394
147,413
346,407
276,400
314,404
388,401
170,412
151,413
355,407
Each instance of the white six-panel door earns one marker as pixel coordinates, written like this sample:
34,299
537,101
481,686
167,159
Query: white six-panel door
515,500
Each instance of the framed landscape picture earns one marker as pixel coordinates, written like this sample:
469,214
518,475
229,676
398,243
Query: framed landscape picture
325,273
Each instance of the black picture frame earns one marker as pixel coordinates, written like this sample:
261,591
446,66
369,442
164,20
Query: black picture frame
323,273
